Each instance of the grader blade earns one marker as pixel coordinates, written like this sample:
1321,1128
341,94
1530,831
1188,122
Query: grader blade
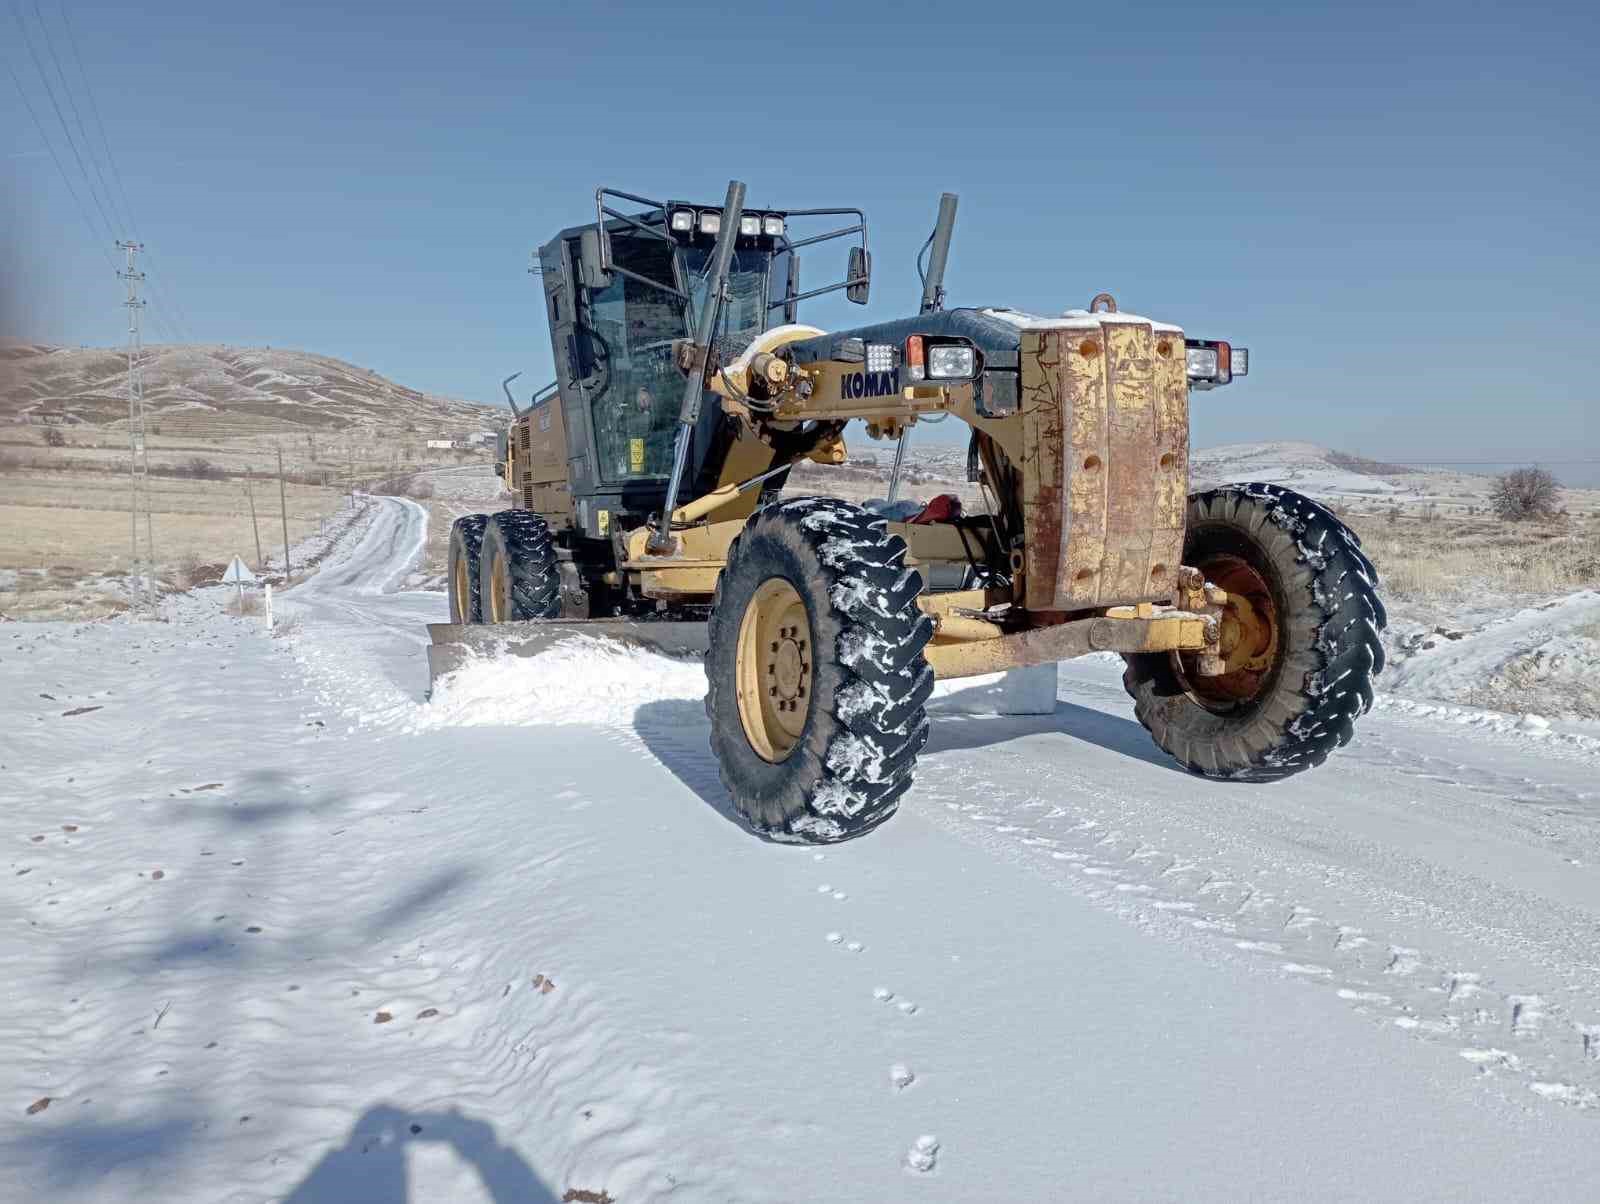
454,644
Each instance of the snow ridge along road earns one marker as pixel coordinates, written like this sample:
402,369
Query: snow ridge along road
276,927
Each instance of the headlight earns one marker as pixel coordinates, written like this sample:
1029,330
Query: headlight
710,223
772,227
1241,361
683,220
952,363
750,226
1201,363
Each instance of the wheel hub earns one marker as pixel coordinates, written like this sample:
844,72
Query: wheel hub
774,669
1248,640
788,667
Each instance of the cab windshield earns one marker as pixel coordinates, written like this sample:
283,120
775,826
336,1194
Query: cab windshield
635,325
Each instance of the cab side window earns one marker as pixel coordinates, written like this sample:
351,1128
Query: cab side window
631,328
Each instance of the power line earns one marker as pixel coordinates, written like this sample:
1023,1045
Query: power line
83,212
27,40
165,311
168,308
100,125
72,103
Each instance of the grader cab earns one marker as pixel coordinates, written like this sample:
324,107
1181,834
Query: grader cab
649,484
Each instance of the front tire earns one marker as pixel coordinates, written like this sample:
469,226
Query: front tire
461,568
1303,651
816,678
518,574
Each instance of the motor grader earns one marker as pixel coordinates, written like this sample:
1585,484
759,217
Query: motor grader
649,505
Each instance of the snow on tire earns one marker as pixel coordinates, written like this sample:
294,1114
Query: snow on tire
466,541
519,575
1321,592
843,754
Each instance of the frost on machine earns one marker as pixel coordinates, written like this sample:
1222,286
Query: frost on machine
649,484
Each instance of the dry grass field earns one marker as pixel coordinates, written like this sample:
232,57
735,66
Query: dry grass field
65,536
1436,565
64,511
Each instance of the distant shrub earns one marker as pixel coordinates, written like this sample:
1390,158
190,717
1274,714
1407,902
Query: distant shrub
186,573
54,436
405,485
1525,493
200,469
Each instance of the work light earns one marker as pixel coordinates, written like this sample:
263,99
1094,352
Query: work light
1211,363
1201,363
750,225
880,357
710,223
952,363
683,220
772,227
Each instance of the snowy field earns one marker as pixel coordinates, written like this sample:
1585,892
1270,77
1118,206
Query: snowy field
278,928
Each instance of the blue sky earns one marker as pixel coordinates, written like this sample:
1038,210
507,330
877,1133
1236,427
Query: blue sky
1393,206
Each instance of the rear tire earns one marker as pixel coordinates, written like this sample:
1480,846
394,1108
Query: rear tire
461,568
1321,595
816,677
518,574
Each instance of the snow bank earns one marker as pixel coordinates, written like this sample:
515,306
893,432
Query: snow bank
1538,659
582,681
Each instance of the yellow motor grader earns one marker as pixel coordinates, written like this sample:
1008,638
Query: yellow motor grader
649,505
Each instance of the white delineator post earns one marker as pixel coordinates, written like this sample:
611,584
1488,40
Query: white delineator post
269,606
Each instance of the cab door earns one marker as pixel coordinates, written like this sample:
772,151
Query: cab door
626,337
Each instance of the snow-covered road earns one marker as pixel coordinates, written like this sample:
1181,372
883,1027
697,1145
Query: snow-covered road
276,927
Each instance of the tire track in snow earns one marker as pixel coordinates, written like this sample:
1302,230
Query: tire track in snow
1553,1046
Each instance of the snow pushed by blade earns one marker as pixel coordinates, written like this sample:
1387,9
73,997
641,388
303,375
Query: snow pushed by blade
581,680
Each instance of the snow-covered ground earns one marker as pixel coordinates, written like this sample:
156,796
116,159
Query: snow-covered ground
276,927
1549,653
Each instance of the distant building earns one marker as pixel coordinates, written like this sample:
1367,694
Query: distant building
441,444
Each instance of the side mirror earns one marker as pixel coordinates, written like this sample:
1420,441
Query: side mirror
859,275
590,269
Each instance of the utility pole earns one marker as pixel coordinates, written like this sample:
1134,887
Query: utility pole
283,508
250,493
138,462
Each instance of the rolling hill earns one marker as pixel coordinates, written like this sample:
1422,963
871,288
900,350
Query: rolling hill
221,391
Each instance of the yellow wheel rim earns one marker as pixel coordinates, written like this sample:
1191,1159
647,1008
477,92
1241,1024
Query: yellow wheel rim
463,597
497,606
774,669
